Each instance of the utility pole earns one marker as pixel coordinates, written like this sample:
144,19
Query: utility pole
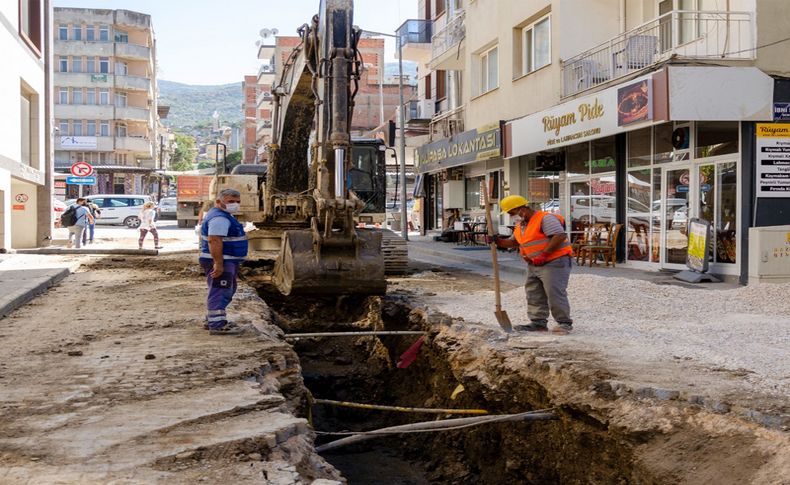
404,227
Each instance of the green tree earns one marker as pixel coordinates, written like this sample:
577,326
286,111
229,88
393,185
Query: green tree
233,159
184,154
205,164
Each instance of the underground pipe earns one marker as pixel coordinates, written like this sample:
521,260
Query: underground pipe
353,334
398,408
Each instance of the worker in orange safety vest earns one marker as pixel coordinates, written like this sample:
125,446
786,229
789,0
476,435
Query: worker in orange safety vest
543,244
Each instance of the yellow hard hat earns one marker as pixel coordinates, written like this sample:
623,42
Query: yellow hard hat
512,202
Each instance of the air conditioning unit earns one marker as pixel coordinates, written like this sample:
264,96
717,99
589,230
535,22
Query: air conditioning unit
425,109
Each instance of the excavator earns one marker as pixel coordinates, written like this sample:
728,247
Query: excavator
306,205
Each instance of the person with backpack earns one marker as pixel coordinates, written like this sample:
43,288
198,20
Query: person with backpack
76,218
87,235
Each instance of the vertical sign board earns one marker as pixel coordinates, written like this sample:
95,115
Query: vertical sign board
773,160
699,235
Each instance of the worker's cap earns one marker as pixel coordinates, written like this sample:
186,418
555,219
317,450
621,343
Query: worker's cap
512,202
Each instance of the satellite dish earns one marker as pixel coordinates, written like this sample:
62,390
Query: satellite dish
265,33
275,31
257,43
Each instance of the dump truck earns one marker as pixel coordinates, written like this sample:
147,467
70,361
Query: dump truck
191,192
310,206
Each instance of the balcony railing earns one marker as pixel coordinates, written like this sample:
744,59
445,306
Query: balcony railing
681,33
447,123
449,36
415,31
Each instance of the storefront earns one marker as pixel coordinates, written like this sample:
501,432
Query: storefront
455,172
649,155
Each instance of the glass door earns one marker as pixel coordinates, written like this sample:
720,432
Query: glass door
716,202
674,213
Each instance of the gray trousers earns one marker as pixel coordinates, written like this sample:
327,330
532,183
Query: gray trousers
76,233
547,289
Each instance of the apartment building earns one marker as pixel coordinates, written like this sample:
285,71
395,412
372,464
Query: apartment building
251,90
644,113
25,150
105,99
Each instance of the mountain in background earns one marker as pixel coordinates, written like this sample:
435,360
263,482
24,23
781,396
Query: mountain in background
192,105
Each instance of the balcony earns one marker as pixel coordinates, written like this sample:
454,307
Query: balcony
133,83
418,111
447,124
680,34
447,45
135,20
83,48
264,98
266,74
415,38
132,114
137,144
84,111
82,80
132,52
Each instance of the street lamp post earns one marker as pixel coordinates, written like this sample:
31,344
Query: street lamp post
402,143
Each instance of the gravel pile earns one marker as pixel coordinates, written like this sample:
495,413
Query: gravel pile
745,331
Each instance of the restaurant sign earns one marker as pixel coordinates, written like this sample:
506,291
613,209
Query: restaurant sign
476,145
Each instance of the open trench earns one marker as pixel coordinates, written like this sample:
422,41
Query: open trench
574,448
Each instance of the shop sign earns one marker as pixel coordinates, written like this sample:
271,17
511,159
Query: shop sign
21,198
18,207
781,111
773,160
698,235
601,114
79,142
60,184
476,145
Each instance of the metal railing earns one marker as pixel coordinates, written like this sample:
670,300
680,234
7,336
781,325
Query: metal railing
449,36
680,33
447,123
415,31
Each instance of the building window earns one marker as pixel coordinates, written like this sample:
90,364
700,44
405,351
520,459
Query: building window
76,64
120,100
474,193
29,124
91,128
30,23
104,65
489,70
91,97
104,33
64,64
76,32
63,32
121,68
104,96
441,85
428,87
104,128
63,126
103,158
716,138
76,96
536,45
121,37
90,65
77,127
63,96
440,7
120,130
90,33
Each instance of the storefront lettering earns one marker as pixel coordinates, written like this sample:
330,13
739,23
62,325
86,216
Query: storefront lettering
591,111
772,131
485,141
587,112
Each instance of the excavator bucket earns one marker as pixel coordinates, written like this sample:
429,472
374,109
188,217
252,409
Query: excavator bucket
329,270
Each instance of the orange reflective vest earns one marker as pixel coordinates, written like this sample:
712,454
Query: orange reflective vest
532,241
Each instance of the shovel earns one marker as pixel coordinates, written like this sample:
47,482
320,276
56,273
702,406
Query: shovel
501,315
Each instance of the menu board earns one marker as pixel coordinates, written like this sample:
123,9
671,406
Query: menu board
773,160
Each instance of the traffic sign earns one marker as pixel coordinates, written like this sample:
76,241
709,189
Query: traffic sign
81,180
82,169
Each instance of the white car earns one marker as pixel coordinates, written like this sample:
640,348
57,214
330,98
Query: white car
119,208
58,208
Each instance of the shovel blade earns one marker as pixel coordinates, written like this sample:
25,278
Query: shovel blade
504,320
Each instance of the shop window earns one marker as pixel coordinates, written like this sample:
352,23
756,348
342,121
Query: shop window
603,151
638,204
30,24
662,143
536,46
716,138
577,158
639,148
474,193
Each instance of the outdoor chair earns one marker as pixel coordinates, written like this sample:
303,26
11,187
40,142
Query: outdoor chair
607,251
591,235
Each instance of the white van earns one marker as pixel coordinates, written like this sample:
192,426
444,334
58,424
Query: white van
119,208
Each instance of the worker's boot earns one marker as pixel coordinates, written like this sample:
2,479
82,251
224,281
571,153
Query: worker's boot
562,328
534,326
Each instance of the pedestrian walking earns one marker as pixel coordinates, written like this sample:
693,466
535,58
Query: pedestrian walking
148,224
88,233
76,218
543,244
223,247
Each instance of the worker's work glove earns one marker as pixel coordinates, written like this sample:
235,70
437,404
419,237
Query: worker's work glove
493,239
540,259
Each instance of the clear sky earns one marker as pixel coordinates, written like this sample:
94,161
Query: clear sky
213,41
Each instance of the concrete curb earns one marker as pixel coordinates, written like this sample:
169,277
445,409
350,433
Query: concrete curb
17,299
66,251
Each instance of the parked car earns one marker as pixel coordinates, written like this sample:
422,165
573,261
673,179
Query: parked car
58,208
119,208
593,208
168,208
